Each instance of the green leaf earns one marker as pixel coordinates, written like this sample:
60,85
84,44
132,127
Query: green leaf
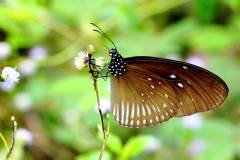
114,144
134,147
93,156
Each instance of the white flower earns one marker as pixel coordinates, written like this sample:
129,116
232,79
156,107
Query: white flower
23,101
99,62
10,75
24,135
81,60
196,60
38,53
196,147
192,122
153,144
5,86
27,67
5,50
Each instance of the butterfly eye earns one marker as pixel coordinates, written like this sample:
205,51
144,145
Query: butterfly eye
113,52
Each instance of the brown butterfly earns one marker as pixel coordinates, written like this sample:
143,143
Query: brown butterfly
147,90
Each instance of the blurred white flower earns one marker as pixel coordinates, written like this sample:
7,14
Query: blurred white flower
27,67
10,75
174,56
24,135
105,105
153,144
196,147
5,86
81,60
23,101
196,60
5,50
38,53
70,117
100,62
192,122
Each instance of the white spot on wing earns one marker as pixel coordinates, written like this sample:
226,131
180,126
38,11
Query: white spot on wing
158,109
164,105
173,76
184,67
144,121
142,94
131,123
180,85
143,111
138,111
166,95
154,109
127,113
181,103
149,79
152,86
157,119
133,110
138,122
117,113
149,111
122,114
114,110
151,121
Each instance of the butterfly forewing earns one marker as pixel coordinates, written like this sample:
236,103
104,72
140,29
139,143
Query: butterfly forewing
195,88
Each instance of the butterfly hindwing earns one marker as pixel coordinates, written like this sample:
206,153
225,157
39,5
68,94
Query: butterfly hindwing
141,99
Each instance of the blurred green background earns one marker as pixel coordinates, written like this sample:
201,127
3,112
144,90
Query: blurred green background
55,105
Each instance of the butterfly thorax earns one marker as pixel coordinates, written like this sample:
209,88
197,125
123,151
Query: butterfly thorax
117,64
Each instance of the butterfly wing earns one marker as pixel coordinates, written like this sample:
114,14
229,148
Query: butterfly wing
140,98
153,90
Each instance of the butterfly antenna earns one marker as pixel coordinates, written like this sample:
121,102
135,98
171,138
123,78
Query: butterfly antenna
103,34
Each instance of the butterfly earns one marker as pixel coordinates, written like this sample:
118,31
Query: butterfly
147,91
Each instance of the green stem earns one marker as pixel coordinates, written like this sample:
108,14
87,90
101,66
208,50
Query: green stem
4,141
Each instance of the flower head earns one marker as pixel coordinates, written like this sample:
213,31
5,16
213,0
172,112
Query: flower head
192,122
196,147
10,75
23,101
24,135
27,67
99,62
90,49
81,60
5,50
38,53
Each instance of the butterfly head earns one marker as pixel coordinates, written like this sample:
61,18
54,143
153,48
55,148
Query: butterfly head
113,52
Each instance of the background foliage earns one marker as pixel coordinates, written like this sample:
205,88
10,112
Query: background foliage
55,104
